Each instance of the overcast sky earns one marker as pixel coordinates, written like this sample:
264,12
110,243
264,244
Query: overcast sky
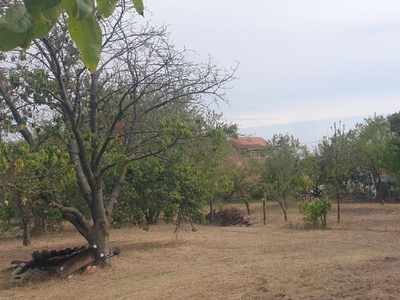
300,61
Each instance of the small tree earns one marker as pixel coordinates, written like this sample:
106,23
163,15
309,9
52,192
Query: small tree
369,149
243,173
283,175
315,212
338,163
314,168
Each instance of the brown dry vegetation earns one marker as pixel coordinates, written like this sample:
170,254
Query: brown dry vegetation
357,259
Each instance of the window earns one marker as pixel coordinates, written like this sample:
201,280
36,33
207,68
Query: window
255,154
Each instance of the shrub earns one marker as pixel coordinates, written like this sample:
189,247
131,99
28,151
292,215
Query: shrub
314,212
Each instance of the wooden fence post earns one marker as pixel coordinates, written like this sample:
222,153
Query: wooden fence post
211,209
264,208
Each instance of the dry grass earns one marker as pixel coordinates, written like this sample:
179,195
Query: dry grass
357,259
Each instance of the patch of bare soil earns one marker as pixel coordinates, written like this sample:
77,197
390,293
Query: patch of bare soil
356,259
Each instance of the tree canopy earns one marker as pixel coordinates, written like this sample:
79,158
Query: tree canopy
283,174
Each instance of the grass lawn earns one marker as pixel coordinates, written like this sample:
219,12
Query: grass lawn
356,259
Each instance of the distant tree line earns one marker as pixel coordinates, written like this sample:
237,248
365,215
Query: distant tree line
358,164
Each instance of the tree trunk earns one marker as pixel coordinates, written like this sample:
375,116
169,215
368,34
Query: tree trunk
97,235
283,207
151,216
26,238
338,209
100,231
378,191
244,199
246,202
157,216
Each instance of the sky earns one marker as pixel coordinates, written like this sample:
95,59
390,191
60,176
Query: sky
303,65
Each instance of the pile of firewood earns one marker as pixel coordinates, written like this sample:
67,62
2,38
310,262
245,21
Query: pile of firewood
61,263
231,216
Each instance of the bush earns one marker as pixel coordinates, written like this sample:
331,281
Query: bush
314,212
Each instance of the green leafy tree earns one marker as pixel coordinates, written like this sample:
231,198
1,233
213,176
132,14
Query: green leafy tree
99,117
314,168
29,176
176,183
283,175
163,185
372,136
242,174
28,20
336,153
391,159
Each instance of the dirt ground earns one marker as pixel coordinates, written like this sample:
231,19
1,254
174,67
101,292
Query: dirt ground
356,259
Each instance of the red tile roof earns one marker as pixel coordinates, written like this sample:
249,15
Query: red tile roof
248,143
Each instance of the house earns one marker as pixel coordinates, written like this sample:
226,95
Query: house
254,146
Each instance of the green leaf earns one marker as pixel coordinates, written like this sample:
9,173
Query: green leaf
79,9
10,40
19,28
87,36
16,28
28,38
42,29
71,7
139,6
16,19
106,7
37,7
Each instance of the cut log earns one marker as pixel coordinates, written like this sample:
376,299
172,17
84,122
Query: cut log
18,262
81,260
